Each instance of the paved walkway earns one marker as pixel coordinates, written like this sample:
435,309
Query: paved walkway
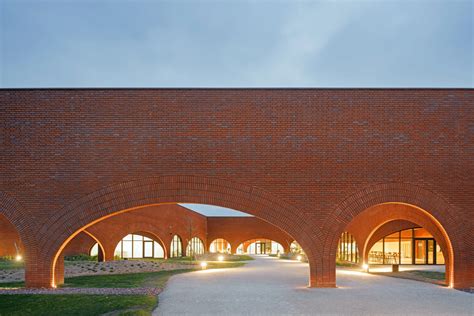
268,286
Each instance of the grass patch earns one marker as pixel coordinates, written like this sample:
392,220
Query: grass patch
130,280
11,264
76,304
241,258
143,279
434,277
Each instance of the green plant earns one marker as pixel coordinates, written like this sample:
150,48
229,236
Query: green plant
80,257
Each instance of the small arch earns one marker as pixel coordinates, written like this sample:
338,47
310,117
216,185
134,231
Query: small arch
220,245
101,253
260,246
139,245
195,247
347,249
176,247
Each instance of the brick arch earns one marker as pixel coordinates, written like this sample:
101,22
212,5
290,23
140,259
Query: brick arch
183,250
13,212
110,238
433,207
131,195
386,229
209,243
376,217
145,229
99,243
281,242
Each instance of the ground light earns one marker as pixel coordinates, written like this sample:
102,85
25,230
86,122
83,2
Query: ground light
365,266
220,258
299,258
204,265
18,258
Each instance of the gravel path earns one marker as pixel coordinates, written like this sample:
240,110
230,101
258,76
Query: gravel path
79,268
91,291
268,286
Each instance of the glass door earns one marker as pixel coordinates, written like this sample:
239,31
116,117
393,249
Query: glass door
430,249
420,251
424,251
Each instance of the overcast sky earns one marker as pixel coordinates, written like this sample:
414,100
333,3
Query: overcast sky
113,43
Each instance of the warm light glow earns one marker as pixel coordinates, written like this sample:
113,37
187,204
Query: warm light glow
365,266
53,285
220,258
203,265
18,258
299,258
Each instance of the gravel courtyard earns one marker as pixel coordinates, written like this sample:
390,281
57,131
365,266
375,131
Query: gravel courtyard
268,286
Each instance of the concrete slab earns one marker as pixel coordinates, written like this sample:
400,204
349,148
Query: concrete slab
269,286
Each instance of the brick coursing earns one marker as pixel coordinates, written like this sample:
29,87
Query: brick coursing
305,160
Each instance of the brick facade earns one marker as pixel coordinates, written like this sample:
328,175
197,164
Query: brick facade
162,222
305,160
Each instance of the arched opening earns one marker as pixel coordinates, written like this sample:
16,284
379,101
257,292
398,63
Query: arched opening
220,245
347,249
413,246
97,251
425,243
295,248
195,247
155,191
176,247
260,246
139,246
11,247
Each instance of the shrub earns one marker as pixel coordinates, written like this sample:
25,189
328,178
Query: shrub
80,257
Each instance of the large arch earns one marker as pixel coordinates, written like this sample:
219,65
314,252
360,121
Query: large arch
425,204
132,195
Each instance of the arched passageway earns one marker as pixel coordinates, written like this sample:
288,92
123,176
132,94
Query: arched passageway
260,246
366,215
217,193
220,245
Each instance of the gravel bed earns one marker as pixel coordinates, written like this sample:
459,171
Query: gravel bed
80,268
91,291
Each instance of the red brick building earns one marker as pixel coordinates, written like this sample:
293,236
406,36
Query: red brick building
309,161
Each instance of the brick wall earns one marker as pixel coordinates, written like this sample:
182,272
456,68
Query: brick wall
305,160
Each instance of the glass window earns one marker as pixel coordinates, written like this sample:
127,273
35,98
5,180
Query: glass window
376,253
439,255
392,248
176,247
220,246
138,246
410,246
94,250
347,248
195,247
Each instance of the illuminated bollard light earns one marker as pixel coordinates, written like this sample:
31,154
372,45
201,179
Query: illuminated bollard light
299,258
204,265
220,258
18,258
